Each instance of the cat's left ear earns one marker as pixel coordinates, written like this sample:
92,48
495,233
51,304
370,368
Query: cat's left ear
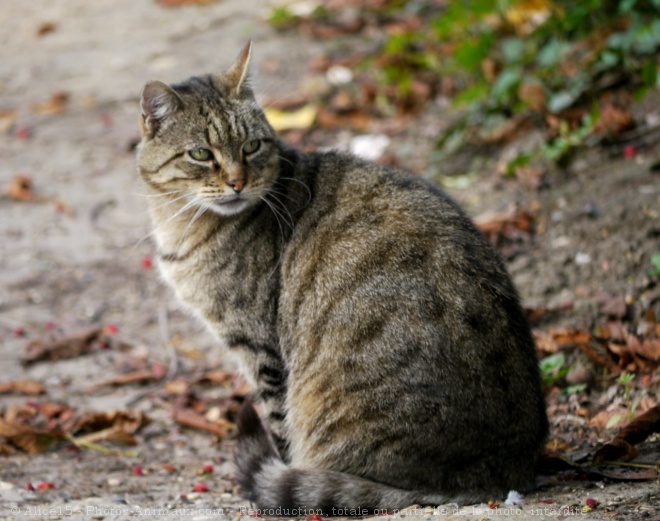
237,76
158,102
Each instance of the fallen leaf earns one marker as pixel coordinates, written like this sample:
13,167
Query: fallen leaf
193,419
20,188
29,439
116,426
55,105
143,376
67,347
622,446
8,119
301,118
46,28
31,387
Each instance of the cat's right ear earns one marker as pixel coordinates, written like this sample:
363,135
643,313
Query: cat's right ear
158,102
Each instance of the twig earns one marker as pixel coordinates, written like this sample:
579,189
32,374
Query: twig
86,444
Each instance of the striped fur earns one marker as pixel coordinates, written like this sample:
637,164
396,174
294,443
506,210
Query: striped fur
389,351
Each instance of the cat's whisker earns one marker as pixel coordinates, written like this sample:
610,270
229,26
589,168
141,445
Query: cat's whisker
172,201
309,192
184,208
200,211
282,211
164,194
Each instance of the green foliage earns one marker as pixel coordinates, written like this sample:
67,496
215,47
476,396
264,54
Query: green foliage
507,57
553,368
655,265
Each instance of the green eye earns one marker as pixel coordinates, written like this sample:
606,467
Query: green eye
201,154
251,147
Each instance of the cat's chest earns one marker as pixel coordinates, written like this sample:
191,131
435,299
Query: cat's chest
223,291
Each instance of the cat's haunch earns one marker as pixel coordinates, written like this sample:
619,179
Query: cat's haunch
391,356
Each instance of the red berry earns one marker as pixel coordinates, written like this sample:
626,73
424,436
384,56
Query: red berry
112,329
23,133
208,469
29,486
147,262
591,503
45,485
50,325
201,487
19,332
629,151
106,119
138,470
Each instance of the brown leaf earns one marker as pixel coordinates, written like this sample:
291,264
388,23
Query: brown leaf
55,105
621,447
649,349
532,94
31,387
20,188
143,376
613,120
128,422
46,28
67,347
7,120
30,439
193,419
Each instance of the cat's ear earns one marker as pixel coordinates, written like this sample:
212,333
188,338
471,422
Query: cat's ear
237,76
158,102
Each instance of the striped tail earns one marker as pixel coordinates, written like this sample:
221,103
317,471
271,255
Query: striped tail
278,489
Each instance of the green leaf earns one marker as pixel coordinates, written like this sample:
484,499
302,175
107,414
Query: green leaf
614,420
561,100
505,85
472,94
551,368
513,50
655,264
470,53
574,389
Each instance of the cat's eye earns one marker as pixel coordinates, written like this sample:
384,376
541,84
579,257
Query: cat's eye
201,154
250,147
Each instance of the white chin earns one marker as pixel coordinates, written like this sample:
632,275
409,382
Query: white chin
231,208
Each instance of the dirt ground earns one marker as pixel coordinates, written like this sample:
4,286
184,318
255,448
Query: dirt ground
79,256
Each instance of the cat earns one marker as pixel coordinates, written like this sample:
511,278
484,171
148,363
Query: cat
386,341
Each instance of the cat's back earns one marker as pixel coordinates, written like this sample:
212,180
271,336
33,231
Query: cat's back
396,311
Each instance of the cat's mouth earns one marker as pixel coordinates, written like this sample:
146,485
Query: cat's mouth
229,205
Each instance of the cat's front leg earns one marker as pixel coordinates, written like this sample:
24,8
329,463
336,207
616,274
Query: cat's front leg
263,365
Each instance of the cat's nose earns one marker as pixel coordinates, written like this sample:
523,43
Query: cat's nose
236,184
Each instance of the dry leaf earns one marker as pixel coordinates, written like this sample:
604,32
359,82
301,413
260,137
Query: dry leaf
190,418
143,376
30,439
119,426
20,189
31,387
622,446
532,94
55,105
8,119
68,347
301,118
46,28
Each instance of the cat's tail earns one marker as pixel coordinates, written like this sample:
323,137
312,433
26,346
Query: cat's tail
278,489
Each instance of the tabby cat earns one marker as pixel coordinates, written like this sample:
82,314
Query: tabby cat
386,341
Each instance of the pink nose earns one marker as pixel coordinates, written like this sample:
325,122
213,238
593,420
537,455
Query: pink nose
237,184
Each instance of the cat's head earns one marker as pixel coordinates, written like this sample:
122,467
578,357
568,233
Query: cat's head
207,140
